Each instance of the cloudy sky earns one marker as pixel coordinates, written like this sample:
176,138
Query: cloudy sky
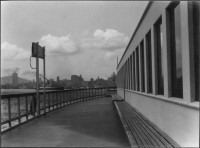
81,37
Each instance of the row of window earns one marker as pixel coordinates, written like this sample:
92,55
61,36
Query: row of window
132,73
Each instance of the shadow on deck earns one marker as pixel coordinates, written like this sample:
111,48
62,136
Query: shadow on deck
92,123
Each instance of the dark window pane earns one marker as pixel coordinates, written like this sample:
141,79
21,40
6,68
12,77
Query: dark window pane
142,65
137,70
196,30
126,75
176,52
131,73
149,61
159,58
134,71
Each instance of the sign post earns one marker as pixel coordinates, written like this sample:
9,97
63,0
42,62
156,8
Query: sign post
44,74
39,52
37,82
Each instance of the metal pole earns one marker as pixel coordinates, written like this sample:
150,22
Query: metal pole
44,83
37,81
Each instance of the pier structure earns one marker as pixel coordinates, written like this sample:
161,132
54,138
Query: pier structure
155,104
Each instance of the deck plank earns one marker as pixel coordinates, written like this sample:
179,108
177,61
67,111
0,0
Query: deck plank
146,134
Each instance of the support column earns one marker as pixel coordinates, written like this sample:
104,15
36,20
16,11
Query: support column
166,54
140,67
154,64
136,73
186,54
37,82
146,68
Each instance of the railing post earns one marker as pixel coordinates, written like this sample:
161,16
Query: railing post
53,99
56,99
77,95
80,95
99,92
95,93
26,108
60,98
44,106
90,95
83,94
64,99
9,112
18,100
70,95
49,101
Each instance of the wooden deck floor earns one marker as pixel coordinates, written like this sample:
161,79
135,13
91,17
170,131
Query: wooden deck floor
144,133
91,123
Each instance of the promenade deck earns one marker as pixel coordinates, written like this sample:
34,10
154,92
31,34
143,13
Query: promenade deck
91,123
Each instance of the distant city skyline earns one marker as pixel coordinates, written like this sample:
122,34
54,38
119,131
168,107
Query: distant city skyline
77,81
81,37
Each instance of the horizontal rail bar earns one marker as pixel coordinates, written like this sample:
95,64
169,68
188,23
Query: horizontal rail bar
50,91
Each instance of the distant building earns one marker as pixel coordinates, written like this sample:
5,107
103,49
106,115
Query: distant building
15,79
58,79
76,81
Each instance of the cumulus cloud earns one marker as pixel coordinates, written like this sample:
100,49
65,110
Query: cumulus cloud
107,40
58,45
13,52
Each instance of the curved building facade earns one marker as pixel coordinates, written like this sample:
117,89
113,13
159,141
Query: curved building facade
158,73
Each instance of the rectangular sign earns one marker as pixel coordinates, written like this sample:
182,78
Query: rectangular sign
37,49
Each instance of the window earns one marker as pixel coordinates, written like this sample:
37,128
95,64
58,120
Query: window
131,73
134,71
128,73
159,57
196,38
126,69
149,62
142,66
137,70
124,76
176,51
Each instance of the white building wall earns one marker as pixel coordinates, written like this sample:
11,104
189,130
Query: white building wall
178,118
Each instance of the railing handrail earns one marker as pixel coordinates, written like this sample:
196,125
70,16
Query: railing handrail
4,96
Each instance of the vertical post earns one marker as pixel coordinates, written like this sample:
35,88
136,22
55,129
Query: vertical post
19,114
44,82
26,108
53,101
56,99
70,96
49,101
9,112
37,81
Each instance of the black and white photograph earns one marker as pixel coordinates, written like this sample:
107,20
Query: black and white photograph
121,74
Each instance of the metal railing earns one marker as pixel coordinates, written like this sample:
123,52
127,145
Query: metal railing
17,109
